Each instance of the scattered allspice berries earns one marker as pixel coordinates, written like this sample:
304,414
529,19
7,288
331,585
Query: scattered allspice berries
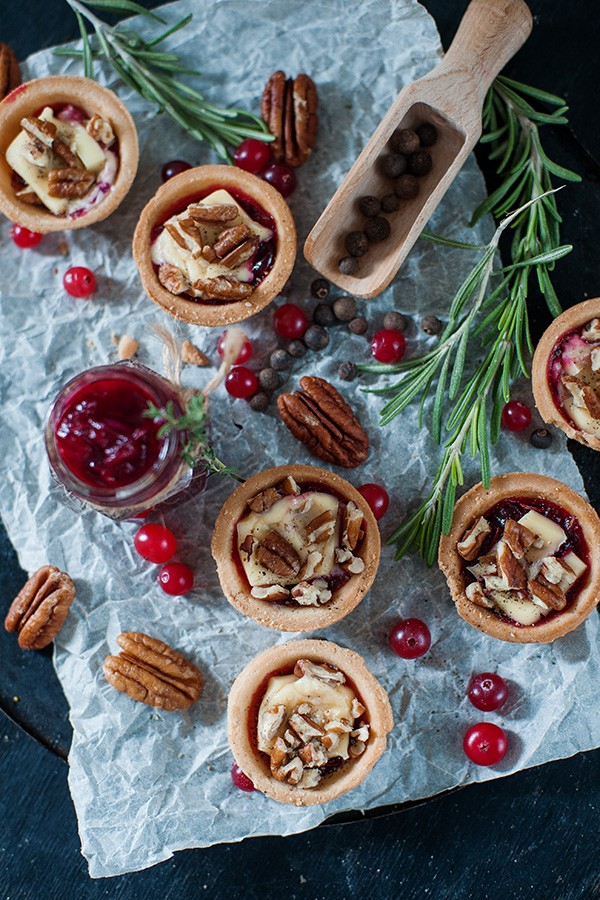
541,438
431,325
323,315
359,325
347,371
192,355
395,320
259,401
280,360
344,309
297,348
269,379
316,337
127,347
319,288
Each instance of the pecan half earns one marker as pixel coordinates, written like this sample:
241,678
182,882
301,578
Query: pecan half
473,539
510,567
551,595
223,288
279,557
319,417
172,279
518,538
40,608
10,76
217,213
150,671
289,109
71,182
176,235
230,238
320,671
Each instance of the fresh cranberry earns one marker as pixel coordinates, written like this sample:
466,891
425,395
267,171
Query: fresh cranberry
79,281
516,416
252,155
281,177
241,780
156,543
244,354
290,321
176,579
24,238
485,744
388,345
174,167
377,497
241,383
487,691
410,638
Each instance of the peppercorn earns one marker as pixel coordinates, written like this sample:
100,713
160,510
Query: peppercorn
297,349
316,337
280,359
356,243
377,229
369,206
431,325
393,165
359,325
390,203
319,288
323,315
541,438
269,379
259,401
405,140
395,321
419,163
406,187
347,371
427,134
348,265
344,309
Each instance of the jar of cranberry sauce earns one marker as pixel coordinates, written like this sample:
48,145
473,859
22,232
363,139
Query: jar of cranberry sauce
105,451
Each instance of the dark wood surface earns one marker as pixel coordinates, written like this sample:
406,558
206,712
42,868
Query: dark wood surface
533,835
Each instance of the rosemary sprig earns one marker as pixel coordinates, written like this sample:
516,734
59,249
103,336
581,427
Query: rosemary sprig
197,450
156,75
496,321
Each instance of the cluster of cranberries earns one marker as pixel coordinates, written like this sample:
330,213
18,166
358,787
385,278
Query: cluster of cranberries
157,544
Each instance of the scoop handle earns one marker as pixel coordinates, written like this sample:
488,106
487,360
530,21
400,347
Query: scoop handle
490,33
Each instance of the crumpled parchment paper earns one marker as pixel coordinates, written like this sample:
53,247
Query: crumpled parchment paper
146,783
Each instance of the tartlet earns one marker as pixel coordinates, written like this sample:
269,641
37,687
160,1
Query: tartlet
315,746
187,192
318,572
32,100
566,373
527,547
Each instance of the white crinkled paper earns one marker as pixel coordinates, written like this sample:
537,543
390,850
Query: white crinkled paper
146,783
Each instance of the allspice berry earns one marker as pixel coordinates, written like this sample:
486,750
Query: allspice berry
347,371
316,337
356,243
280,360
259,401
393,165
344,309
297,349
319,288
369,206
323,315
359,325
348,265
390,203
541,438
431,325
377,229
406,187
419,163
427,134
395,321
405,140
269,379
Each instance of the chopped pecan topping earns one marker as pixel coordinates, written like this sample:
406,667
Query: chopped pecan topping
40,608
353,519
474,539
291,739
176,235
557,571
354,566
320,671
584,396
43,132
29,197
247,545
309,568
278,556
71,183
192,355
510,568
550,595
241,254
215,214
475,594
311,593
356,748
305,728
272,592
172,279
595,359
208,253
223,288
357,708
37,154
321,528
313,754
100,130
361,733
230,238
270,723
591,331
518,538
289,486
190,227
264,500
69,158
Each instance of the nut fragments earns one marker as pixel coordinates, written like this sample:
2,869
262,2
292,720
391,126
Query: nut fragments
319,417
40,608
289,109
10,76
149,671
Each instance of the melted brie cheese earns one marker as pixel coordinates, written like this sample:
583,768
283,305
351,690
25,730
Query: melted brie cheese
525,612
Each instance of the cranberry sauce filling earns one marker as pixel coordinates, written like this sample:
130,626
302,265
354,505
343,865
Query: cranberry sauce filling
263,260
103,437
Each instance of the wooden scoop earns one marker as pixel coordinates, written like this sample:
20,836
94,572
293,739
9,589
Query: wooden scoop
451,98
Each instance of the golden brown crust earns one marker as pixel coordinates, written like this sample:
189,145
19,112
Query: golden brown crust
241,700
273,615
181,188
90,96
476,503
575,317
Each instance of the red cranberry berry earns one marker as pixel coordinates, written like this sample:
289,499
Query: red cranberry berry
24,238
485,744
244,354
174,167
79,282
252,155
241,383
487,691
388,345
156,543
241,780
281,177
410,638
377,497
290,321
516,416
176,579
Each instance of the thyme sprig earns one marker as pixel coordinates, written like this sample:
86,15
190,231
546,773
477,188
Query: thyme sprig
467,408
156,75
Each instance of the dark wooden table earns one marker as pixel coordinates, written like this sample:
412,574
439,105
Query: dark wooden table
533,835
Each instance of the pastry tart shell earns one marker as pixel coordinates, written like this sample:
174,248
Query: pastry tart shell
242,705
291,617
27,100
184,187
476,503
571,319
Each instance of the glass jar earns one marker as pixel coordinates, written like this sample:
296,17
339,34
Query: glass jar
105,451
